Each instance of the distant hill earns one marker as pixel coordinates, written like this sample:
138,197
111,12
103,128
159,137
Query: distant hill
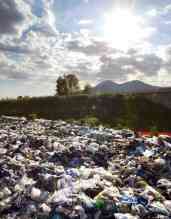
128,87
106,87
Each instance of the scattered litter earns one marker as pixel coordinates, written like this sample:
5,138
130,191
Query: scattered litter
58,170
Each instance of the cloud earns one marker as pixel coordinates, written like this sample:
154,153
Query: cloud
94,48
168,22
85,22
167,9
48,20
33,50
27,57
43,56
160,11
149,64
124,4
15,17
14,49
11,71
113,71
119,69
10,16
167,55
152,13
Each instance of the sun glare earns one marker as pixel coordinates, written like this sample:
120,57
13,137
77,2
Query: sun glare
122,28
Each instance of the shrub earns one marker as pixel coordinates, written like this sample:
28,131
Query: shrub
32,116
91,121
154,131
70,120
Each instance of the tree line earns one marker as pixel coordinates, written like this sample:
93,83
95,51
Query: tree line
69,85
72,102
127,111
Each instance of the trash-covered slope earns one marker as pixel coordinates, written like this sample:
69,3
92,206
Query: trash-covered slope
55,170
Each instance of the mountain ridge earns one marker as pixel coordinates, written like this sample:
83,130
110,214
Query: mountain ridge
134,86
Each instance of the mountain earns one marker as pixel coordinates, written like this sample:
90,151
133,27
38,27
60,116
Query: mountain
137,87
128,87
106,87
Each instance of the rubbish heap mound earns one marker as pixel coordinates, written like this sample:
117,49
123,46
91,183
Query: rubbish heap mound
56,170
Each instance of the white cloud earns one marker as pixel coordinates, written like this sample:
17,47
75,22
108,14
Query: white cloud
15,17
86,1
85,22
152,13
159,11
43,53
167,9
167,22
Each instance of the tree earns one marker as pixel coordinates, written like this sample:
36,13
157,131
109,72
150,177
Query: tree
61,87
19,98
72,84
87,89
67,85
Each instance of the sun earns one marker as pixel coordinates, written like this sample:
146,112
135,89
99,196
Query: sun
122,28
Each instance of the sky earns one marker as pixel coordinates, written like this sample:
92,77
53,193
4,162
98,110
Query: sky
119,40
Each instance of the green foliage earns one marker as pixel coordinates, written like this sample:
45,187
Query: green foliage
120,125
72,84
154,130
19,98
87,89
23,98
91,121
70,120
67,85
135,112
32,116
61,87
105,94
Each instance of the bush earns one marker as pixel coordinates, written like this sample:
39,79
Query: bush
154,131
32,116
70,120
135,112
91,121
119,126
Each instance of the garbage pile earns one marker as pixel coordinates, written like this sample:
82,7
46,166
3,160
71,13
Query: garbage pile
56,170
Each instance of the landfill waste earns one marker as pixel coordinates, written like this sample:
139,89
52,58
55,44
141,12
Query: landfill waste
59,170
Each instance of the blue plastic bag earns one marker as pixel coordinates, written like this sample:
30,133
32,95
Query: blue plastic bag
129,200
72,173
75,162
56,216
142,201
141,173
